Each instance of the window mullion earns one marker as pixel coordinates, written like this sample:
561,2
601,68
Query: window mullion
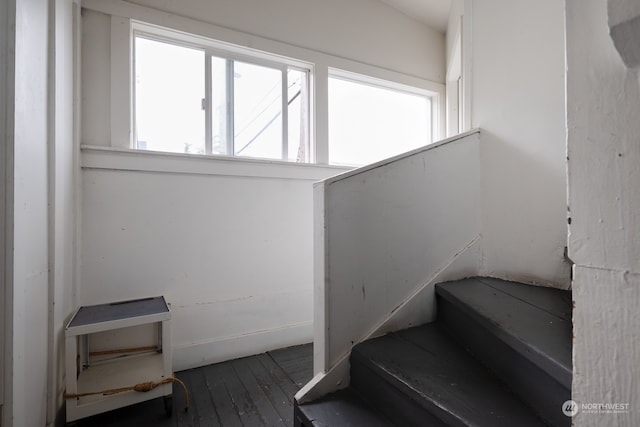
230,81
285,114
305,109
208,119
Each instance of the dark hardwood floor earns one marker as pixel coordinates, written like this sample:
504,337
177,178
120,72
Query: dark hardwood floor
252,391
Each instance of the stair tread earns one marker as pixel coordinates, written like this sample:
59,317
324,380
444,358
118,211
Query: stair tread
426,365
554,301
534,321
342,408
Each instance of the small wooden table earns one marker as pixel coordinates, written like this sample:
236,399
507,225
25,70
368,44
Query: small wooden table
86,373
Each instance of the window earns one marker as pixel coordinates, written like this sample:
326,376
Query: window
192,98
195,95
169,88
372,121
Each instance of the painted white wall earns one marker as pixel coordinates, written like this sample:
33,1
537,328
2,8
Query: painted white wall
453,27
388,228
232,254
384,235
366,31
603,104
518,102
96,78
229,243
622,10
459,65
39,203
63,173
30,231
7,35
624,23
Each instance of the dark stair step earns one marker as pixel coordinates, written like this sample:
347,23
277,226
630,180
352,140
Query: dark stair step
344,408
422,377
520,332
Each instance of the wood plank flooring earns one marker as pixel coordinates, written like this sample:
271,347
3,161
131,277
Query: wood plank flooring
247,392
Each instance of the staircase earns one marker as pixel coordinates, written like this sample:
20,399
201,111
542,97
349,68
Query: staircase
499,354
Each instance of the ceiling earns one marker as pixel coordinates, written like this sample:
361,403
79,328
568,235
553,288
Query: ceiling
434,13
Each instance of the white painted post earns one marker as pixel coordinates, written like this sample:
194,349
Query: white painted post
320,282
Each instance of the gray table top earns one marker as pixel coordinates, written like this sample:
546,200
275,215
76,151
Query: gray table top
91,314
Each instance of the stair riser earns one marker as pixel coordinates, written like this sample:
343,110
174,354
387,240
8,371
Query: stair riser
534,386
391,401
344,408
299,419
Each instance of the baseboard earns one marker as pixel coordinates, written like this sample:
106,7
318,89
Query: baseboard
227,348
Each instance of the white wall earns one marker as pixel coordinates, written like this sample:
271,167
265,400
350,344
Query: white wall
39,207
366,31
7,35
459,65
389,228
231,251
63,173
30,255
384,235
96,78
456,12
603,105
621,10
518,102
229,242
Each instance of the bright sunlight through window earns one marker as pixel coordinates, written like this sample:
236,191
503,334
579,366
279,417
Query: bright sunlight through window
197,96
368,123
245,112
169,91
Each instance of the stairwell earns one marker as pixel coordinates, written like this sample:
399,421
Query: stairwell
498,354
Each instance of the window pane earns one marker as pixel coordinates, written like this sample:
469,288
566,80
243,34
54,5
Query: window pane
219,106
169,88
298,101
257,111
369,123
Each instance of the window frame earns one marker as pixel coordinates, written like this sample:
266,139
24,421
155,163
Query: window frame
231,54
118,132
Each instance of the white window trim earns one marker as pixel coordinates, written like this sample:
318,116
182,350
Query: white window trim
214,49
217,47
133,160
121,59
